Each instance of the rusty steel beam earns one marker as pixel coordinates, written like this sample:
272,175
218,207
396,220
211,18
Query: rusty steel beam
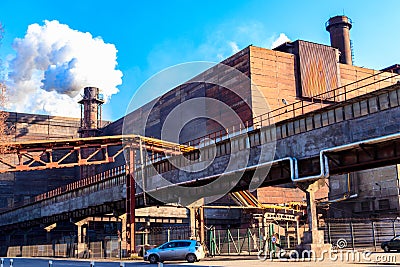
47,154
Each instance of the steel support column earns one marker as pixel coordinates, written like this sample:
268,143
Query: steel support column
130,200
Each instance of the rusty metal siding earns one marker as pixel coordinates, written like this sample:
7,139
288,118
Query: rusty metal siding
318,70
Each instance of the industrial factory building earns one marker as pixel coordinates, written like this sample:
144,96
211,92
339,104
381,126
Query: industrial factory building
295,76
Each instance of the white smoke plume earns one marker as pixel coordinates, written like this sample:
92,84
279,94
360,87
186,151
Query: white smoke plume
52,65
280,40
234,46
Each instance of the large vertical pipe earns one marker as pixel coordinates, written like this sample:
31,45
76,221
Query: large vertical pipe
339,29
130,201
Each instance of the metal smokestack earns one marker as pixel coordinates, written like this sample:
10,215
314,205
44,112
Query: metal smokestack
90,112
339,29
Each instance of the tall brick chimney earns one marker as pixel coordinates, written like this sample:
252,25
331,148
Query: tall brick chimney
339,29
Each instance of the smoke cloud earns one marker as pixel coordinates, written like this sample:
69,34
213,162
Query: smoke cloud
52,65
280,40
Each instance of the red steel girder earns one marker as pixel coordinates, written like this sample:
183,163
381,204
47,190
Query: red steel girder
46,154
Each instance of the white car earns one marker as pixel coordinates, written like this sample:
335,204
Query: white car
190,250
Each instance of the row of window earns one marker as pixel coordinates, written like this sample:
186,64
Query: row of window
383,204
354,110
268,134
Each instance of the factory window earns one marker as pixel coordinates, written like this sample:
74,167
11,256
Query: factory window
348,112
364,107
309,123
302,125
384,204
383,101
278,133
398,95
365,206
297,126
373,105
317,120
246,142
234,144
339,114
211,152
325,118
284,130
393,99
223,148
254,139
228,148
331,116
290,128
242,143
356,109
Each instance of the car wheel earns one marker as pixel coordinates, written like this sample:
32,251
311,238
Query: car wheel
153,258
191,258
386,248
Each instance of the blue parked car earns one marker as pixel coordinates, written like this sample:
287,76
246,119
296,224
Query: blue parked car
189,250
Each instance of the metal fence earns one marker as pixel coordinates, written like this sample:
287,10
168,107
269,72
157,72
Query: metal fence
234,241
356,234
57,250
353,234
252,240
96,250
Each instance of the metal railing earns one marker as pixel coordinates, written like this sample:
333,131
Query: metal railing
303,106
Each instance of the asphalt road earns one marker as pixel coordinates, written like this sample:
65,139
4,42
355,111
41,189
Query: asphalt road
24,262
29,262
375,259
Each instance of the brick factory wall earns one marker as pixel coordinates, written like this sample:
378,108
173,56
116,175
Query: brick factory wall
280,195
161,107
286,193
19,186
40,127
273,73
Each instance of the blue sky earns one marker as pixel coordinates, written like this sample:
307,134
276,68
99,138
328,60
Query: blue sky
153,35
